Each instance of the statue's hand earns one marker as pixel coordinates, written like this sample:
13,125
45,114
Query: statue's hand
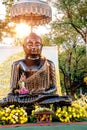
16,91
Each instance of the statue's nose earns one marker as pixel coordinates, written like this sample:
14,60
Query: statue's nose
33,46
34,49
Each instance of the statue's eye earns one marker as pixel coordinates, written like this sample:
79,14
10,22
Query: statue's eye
30,44
37,44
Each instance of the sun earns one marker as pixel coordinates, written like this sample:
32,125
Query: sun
22,30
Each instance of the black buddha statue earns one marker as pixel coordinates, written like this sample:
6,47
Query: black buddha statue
35,74
33,79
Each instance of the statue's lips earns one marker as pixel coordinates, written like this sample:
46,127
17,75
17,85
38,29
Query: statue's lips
33,56
34,52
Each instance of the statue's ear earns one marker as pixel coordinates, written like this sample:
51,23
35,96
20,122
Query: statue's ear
41,47
23,46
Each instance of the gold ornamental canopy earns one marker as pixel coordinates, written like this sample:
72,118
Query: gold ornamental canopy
33,12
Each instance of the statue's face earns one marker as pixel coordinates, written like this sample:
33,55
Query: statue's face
33,46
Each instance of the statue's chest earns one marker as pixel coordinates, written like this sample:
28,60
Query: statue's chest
36,77
37,80
28,70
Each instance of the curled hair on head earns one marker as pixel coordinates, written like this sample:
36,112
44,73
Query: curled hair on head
32,35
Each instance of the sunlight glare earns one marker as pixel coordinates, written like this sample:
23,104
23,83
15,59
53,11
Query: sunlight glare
41,30
7,41
2,11
22,30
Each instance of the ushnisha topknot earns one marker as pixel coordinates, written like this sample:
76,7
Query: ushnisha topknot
32,35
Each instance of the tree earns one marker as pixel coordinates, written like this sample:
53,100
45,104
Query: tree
6,26
73,68
75,14
70,31
45,40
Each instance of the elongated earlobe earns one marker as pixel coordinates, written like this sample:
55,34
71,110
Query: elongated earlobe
41,47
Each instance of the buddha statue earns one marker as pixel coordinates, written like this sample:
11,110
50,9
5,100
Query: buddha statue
39,72
33,78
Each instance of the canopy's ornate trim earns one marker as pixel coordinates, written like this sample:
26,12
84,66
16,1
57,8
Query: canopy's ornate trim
34,12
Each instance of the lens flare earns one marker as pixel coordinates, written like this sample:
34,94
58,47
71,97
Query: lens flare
22,30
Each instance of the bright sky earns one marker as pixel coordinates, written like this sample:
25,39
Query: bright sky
2,11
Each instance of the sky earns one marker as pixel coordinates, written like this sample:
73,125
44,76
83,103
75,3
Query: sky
2,11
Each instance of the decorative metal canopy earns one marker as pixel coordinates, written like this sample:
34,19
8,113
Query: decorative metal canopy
33,12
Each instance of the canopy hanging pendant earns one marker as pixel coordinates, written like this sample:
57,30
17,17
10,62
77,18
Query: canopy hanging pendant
33,12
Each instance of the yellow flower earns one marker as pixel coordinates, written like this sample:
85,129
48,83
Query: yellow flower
11,106
85,80
70,115
50,117
6,114
77,116
74,115
3,118
58,110
69,109
13,111
16,114
36,106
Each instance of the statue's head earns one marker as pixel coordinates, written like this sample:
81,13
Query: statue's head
32,45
